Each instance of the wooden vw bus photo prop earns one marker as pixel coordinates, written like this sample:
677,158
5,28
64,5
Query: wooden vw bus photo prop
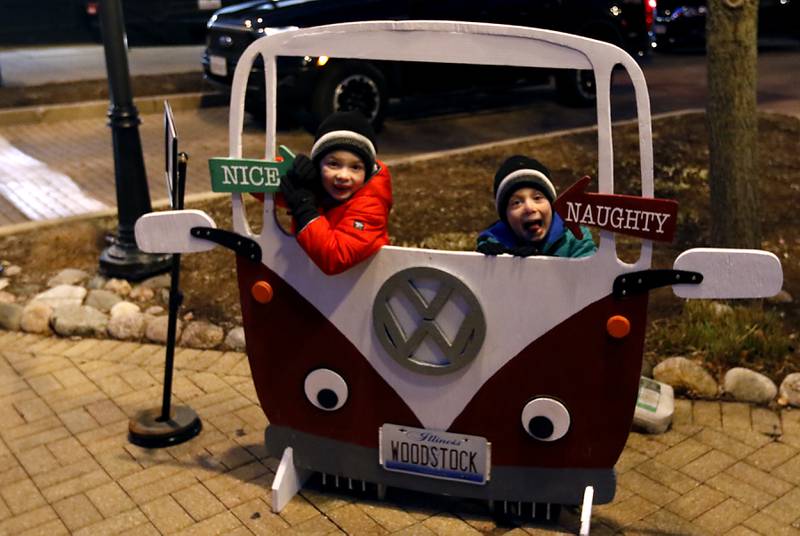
456,373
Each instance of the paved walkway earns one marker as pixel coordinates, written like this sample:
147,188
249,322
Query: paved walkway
67,467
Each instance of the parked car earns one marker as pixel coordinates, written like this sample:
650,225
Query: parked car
152,22
322,85
682,23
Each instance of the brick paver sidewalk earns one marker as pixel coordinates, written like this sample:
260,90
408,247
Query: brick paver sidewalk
66,465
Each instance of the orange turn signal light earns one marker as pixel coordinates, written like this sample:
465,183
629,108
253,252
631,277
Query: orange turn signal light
261,291
618,326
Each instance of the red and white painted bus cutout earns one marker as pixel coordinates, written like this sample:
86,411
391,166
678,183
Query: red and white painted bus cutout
645,217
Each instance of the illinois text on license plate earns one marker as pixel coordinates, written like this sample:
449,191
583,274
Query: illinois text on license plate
435,454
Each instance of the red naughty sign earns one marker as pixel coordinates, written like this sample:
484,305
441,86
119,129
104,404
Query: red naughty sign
645,217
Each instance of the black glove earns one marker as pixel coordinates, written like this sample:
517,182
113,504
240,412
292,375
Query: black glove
525,251
301,203
304,174
492,248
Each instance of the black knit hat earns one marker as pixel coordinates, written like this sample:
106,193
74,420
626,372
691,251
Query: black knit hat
349,131
520,172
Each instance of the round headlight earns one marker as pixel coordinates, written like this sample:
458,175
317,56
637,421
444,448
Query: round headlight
545,419
325,389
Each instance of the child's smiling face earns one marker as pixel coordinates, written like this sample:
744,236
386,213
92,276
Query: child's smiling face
529,214
343,174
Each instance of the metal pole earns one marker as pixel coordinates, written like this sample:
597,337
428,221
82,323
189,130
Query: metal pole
122,258
154,428
175,296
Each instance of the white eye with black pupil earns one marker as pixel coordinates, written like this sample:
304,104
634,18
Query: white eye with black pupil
545,419
326,389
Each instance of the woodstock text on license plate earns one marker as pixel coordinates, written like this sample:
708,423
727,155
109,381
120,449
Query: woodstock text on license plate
435,454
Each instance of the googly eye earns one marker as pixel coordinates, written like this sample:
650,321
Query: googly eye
545,419
326,389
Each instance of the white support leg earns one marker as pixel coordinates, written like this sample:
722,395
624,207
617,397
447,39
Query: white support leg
586,510
288,481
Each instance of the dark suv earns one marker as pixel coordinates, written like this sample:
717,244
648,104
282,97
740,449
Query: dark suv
323,85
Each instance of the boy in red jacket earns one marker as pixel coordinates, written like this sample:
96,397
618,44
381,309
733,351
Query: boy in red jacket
340,198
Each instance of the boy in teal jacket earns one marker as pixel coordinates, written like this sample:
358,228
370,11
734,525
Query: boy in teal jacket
528,225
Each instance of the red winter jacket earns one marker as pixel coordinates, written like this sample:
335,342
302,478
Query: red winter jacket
349,232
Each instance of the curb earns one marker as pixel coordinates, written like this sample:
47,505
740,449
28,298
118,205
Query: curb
99,108
522,139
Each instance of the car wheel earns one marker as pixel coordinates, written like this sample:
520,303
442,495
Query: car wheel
576,88
351,86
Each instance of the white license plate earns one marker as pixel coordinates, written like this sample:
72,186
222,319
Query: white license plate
435,454
217,65
204,5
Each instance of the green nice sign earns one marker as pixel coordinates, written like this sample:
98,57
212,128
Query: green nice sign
249,175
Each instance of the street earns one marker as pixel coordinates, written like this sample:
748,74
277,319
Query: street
59,168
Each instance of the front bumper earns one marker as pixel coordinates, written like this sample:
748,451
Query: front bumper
508,483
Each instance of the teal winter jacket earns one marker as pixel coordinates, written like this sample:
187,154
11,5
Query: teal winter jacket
558,242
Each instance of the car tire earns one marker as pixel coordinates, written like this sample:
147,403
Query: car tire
576,88
351,86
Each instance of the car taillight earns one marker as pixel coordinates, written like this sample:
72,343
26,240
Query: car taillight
91,8
649,12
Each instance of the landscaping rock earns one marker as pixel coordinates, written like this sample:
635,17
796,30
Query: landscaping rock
127,324
10,316
747,385
96,282
681,372
79,320
156,329
235,340
7,297
36,317
4,282
12,270
141,293
781,297
790,389
648,362
26,290
124,308
159,281
201,334
120,286
154,310
69,276
102,300
61,295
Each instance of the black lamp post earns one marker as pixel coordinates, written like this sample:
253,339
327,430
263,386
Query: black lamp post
122,258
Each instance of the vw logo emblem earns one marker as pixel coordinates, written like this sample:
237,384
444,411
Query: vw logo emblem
428,320
225,41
